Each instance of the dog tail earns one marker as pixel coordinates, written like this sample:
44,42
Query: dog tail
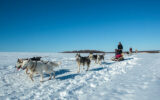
59,63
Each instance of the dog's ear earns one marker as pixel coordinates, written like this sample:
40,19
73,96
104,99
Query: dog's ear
18,60
79,54
29,60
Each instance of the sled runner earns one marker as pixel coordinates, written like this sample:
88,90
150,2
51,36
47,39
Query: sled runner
117,59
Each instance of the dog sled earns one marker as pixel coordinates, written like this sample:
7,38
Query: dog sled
117,59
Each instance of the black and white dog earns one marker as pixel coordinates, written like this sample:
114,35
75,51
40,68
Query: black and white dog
100,58
82,61
93,57
97,58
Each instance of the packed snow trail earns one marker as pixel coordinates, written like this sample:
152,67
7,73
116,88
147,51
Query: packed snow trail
132,79
142,82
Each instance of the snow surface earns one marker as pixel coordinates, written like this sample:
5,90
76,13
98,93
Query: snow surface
135,78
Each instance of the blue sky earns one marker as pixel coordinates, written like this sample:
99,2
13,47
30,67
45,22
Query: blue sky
60,25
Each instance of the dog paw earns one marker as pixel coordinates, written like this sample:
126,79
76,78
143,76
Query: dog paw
41,81
49,79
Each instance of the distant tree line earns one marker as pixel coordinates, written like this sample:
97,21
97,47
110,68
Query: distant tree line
97,51
156,51
84,51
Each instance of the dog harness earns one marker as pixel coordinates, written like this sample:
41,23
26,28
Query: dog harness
34,66
45,62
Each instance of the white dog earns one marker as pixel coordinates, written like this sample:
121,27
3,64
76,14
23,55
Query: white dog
39,67
20,63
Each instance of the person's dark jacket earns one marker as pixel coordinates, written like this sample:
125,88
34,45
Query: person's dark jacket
117,52
120,47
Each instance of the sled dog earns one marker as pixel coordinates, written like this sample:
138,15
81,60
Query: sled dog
93,57
82,61
22,62
40,67
100,58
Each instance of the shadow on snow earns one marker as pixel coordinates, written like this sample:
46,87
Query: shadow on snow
128,59
101,68
71,76
62,71
106,63
59,72
97,69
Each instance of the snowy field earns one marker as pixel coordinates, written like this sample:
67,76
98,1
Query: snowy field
135,78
